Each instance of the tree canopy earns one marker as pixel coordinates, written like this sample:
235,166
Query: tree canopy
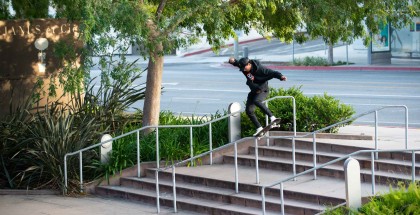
160,26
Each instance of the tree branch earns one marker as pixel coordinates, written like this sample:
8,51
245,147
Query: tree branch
160,9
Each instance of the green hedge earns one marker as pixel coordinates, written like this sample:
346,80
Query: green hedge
312,113
404,200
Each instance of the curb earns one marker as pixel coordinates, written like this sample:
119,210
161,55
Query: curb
272,65
228,45
28,192
347,68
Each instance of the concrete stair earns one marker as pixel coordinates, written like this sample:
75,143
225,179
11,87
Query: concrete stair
210,189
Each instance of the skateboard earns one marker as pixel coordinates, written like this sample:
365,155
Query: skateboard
274,124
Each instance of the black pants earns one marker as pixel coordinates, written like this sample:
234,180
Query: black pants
255,100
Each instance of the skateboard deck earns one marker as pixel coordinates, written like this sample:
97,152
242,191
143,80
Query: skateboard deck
268,127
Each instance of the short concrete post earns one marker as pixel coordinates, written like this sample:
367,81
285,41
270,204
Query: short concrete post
246,50
353,185
234,122
106,148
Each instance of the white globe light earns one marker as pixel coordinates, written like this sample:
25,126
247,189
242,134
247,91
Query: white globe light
41,44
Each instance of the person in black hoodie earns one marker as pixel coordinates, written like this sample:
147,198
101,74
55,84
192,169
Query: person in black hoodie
257,77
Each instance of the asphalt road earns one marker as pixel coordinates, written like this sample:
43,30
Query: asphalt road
207,88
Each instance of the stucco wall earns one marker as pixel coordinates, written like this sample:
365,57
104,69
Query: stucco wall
19,58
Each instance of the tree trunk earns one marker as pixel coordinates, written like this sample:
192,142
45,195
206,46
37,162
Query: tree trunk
330,54
151,107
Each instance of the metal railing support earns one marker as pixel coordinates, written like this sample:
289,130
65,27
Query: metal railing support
314,155
413,166
282,197
174,187
236,168
138,153
157,148
211,144
191,145
376,133
373,172
263,199
406,127
257,170
81,171
65,174
157,190
294,156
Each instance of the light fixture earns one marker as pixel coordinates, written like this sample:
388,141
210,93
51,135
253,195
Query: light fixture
41,44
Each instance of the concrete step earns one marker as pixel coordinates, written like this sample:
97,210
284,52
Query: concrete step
210,189
186,203
384,163
195,182
342,149
333,170
242,199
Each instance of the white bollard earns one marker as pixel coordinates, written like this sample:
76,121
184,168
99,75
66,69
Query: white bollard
353,185
234,122
106,148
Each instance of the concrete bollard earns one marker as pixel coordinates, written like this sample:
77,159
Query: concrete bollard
353,185
234,123
106,148
245,51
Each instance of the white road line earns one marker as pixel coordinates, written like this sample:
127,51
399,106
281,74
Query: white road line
208,90
181,98
364,95
171,84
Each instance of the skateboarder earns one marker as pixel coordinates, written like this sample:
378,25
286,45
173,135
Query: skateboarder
257,77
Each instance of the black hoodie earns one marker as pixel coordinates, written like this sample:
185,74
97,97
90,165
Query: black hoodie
257,79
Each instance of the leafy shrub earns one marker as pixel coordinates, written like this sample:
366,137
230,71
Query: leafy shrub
404,200
311,61
312,113
34,142
52,135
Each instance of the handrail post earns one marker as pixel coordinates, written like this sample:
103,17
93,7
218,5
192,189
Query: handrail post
174,187
81,171
266,124
406,127
263,200
282,198
257,170
413,167
294,116
157,190
314,156
236,168
65,174
157,148
376,134
191,145
373,172
211,143
294,156
138,153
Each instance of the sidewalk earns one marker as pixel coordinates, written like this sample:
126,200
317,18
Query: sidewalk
388,138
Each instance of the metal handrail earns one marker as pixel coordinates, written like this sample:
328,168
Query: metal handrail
313,134
137,131
372,151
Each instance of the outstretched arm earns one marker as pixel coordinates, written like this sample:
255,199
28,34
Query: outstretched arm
233,61
273,74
